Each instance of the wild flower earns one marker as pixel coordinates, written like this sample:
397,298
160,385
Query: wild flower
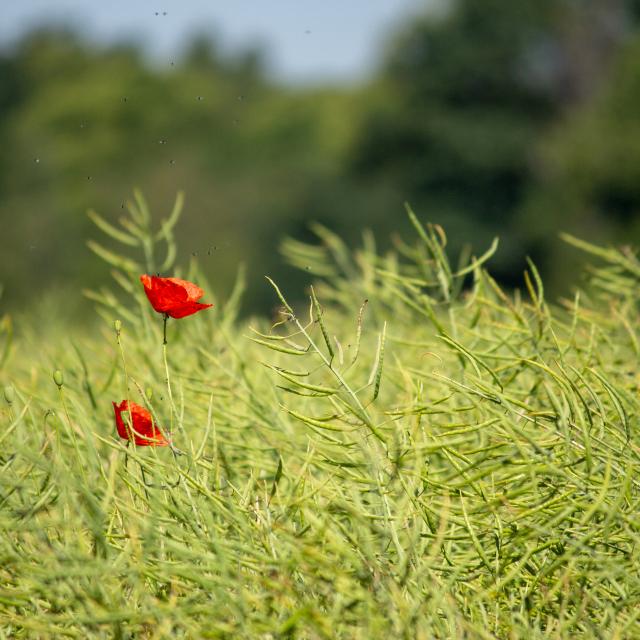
173,297
140,428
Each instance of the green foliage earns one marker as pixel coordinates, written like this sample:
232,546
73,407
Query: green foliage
492,118
414,453
592,164
89,126
479,123
467,111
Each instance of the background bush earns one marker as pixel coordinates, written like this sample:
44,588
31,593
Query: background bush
492,119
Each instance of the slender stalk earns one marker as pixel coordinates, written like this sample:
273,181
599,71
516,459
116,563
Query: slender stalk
168,381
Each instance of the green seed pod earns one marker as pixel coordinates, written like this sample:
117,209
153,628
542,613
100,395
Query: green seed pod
149,393
118,326
57,378
9,394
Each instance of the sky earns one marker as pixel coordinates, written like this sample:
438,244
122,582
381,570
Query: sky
306,40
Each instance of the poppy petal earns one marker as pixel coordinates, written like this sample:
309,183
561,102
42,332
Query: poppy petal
187,309
140,425
193,291
173,296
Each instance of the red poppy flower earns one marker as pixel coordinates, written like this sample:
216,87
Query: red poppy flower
145,433
177,298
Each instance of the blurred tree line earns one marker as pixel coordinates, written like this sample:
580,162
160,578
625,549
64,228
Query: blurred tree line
502,118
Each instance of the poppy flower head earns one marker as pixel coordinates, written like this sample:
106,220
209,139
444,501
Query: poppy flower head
139,427
173,296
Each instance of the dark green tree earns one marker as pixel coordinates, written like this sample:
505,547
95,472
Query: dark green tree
468,96
81,127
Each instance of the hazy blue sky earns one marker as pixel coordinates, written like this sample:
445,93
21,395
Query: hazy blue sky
306,40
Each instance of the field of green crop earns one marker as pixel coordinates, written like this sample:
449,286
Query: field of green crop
412,453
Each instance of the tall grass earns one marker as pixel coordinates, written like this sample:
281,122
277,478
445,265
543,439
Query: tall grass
415,453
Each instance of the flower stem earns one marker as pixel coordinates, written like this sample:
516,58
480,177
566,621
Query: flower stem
164,332
168,381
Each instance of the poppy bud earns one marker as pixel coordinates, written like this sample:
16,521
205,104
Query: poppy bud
149,393
9,394
118,326
57,378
